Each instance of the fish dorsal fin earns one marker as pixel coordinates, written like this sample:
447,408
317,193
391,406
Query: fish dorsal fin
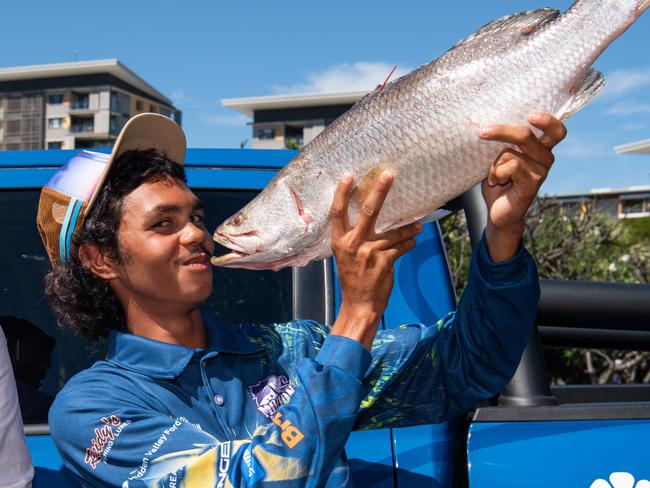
583,91
503,34
367,97
516,25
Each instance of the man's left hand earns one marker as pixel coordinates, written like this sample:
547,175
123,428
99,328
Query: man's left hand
515,177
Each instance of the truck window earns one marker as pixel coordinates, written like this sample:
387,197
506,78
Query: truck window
45,356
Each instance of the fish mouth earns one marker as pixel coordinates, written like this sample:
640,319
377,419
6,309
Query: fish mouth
246,243
264,261
236,259
229,259
243,248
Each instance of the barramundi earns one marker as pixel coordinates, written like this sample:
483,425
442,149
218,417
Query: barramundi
423,127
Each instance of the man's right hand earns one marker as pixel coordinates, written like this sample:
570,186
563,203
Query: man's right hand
365,260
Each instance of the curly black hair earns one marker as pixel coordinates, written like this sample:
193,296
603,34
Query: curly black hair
81,300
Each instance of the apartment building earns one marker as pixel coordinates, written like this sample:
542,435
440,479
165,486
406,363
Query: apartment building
620,203
73,105
291,121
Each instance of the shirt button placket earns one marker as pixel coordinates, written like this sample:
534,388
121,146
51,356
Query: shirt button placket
216,398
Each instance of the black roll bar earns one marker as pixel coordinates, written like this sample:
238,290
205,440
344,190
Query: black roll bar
594,305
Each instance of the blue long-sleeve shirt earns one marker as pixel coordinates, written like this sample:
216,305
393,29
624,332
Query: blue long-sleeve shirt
270,404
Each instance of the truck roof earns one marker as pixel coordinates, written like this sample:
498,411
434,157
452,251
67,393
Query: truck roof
197,157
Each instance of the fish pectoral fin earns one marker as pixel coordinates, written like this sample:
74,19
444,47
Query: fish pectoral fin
362,191
584,90
439,214
503,34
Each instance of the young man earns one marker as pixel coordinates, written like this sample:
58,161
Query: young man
182,400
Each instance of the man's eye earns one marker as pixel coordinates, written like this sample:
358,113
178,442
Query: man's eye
197,219
162,223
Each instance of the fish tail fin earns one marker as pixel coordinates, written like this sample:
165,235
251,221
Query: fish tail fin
583,92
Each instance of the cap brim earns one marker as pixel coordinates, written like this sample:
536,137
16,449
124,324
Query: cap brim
143,132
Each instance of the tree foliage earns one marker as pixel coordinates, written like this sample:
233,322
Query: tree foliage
578,243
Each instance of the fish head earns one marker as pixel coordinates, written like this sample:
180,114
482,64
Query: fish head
271,232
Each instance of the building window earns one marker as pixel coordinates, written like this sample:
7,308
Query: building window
54,145
139,106
152,109
13,126
55,99
15,104
120,102
266,134
82,124
631,206
54,123
116,124
80,101
293,137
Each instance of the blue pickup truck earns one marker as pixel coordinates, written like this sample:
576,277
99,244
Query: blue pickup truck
531,435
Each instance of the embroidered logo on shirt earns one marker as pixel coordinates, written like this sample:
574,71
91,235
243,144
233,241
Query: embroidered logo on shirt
102,443
270,393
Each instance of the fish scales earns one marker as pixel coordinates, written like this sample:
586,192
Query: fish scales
423,128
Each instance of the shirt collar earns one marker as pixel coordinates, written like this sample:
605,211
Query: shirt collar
167,361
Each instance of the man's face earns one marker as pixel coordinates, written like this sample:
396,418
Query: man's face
165,246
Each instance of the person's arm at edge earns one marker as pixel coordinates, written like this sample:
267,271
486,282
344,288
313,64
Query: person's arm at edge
16,470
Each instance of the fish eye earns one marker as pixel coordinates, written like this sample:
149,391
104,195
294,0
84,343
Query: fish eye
237,219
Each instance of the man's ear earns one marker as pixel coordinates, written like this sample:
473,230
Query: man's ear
98,262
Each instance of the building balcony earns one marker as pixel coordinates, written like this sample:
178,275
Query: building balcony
81,111
82,128
81,104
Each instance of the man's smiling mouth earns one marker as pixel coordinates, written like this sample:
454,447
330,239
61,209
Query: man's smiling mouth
202,258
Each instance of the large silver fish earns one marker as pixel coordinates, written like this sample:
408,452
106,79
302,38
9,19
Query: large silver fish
423,128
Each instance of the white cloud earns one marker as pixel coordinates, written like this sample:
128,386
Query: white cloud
634,127
184,101
629,108
178,95
345,77
620,82
575,148
230,120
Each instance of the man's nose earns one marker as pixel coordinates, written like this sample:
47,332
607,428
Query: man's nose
193,234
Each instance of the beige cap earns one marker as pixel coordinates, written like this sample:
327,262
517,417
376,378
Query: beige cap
142,132
71,192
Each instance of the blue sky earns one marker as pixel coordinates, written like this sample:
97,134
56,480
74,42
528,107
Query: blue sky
200,52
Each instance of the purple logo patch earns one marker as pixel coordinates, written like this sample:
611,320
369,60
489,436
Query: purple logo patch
270,393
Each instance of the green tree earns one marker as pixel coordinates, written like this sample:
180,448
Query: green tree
575,244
